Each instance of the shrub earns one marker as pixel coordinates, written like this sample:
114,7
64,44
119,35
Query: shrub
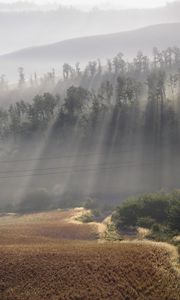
127,214
146,210
174,216
161,233
156,228
145,222
155,206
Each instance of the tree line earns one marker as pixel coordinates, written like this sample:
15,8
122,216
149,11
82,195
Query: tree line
139,98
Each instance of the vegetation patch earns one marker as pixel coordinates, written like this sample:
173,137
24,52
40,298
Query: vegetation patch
159,212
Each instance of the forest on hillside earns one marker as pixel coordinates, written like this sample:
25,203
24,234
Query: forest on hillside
139,97
116,125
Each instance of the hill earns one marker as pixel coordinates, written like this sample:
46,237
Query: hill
42,59
34,26
102,46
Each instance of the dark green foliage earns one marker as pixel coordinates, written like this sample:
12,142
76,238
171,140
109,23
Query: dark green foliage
128,213
145,222
159,211
25,119
156,228
161,233
174,217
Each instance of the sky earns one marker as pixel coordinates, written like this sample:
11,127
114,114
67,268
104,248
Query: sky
101,3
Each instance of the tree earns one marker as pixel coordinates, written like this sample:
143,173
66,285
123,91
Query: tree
109,65
174,216
67,71
3,83
78,69
75,100
4,125
106,91
41,111
21,77
155,113
126,91
119,63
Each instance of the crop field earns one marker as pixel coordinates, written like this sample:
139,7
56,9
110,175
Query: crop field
45,227
39,262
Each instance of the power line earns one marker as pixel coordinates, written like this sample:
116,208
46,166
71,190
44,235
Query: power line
67,156
81,170
62,167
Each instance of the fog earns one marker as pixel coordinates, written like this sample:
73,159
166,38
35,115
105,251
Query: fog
89,104
41,39
44,58
105,131
31,28
87,4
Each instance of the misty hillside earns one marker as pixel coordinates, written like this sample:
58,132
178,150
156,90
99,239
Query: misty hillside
103,46
43,58
20,29
108,131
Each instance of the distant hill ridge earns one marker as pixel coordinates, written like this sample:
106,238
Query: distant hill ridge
102,46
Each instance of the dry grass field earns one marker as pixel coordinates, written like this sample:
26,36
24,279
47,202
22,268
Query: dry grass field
45,227
49,256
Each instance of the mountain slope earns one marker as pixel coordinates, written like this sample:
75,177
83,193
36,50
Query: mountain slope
42,59
20,29
103,46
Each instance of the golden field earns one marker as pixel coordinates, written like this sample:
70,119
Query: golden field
50,256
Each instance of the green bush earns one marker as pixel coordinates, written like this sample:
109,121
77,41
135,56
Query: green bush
145,222
174,216
156,228
127,214
161,233
155,208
